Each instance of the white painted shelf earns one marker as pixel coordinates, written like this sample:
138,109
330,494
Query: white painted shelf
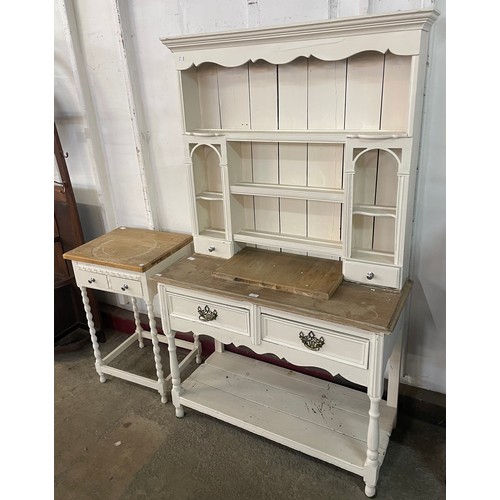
286,191
374,211
324,420
299,136
306,244
213,233
210,196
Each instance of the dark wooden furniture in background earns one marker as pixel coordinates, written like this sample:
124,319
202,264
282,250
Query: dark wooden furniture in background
69,314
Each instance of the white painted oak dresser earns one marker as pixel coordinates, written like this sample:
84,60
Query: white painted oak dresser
300,140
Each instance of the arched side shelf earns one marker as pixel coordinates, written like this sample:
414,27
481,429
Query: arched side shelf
206,167
377,181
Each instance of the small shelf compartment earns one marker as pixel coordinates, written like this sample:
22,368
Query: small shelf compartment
374,210
368,91
287,195
205,156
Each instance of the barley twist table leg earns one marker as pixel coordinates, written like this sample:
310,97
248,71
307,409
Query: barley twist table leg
93,336
175,373
162,389
137,319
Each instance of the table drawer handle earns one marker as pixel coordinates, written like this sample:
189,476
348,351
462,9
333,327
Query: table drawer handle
369,276
91,280
206,314
124,287
311,341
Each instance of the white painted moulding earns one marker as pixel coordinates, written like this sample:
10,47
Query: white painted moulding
399,33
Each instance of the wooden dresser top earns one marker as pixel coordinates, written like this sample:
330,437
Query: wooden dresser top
128,248
366,307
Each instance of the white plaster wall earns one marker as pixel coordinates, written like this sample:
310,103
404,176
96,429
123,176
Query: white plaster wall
159,96
426,350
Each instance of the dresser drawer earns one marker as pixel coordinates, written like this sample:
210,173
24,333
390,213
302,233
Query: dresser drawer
183,313
92,279
380,275
125,286
214,247
338,346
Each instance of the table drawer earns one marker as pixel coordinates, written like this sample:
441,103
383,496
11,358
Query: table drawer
92,279
217,315
338,346
125,286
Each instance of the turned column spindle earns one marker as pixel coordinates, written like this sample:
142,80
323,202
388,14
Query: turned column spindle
197,346
371,463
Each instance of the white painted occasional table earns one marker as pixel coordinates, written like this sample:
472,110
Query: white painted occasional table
122,262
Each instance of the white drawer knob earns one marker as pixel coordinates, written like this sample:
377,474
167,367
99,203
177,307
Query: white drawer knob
211,248
369,275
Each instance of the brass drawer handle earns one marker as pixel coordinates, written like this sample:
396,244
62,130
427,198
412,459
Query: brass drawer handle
206,314
311,341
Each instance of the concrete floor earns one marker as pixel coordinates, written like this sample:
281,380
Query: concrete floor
117,441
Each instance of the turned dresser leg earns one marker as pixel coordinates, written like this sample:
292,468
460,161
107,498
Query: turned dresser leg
156,351
93,336
137,319
197,345
371,463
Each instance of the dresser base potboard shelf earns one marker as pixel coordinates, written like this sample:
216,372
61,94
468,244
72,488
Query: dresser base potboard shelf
356,333
321,419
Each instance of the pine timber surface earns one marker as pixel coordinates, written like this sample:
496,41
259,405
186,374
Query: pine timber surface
309,276
322,419
131,249
371,308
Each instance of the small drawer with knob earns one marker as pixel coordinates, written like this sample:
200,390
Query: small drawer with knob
214,247
372,274
337,346
92,279
125,286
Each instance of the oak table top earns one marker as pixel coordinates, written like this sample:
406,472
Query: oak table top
132,249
